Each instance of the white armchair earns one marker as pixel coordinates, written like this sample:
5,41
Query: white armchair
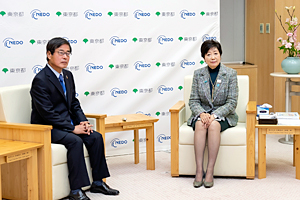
15,112
237,149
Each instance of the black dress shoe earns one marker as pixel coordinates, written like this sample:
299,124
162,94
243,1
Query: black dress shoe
78,196
104,189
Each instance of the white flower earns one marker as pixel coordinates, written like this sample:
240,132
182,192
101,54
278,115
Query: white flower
288,7
283,42
295,19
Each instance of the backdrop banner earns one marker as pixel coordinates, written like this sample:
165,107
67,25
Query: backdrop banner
128,56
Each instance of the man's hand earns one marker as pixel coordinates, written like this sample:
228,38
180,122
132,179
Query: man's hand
83,128
87,126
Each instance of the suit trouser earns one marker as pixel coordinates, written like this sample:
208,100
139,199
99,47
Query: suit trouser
78,176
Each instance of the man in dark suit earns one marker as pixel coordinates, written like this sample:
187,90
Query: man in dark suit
54,103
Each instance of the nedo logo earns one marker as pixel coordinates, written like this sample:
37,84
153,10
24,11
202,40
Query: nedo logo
36,13
90,13
71,41
207,37
138,13
148,114
8,42
116,91
90,67
162,88
115,39
185,63
37,68
116,142
161,39
162,137
139,64
185,13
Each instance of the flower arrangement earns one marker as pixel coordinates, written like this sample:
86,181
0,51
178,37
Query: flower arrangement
290,45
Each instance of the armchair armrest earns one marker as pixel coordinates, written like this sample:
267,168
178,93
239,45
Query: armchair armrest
250,126
175,123
251,107
177,107
29,133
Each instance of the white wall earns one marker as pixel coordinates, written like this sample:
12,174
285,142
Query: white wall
120,76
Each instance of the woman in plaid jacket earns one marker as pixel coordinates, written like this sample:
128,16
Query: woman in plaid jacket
212,101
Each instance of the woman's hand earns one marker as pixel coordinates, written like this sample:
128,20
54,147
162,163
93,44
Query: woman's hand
206,119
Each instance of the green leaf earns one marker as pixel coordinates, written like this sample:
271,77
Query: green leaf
5,70
86,93
135,90
202,13
180,87
134,39
201,62
110,14
2,13
32,41
157,64
85,40
111,66
180,38
58,13
157,13
157,113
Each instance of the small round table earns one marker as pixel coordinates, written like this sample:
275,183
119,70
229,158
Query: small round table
288,100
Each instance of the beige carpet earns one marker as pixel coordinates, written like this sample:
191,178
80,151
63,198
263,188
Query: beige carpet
135,182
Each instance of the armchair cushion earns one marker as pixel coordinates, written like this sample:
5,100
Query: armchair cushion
60,153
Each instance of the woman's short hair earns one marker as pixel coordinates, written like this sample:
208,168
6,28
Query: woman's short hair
208,44
55,43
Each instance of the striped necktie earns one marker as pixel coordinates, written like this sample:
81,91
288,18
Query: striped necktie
61,80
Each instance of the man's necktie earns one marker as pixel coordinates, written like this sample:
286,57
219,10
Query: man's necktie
61,80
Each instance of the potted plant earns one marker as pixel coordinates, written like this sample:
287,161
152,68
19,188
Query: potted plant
290,64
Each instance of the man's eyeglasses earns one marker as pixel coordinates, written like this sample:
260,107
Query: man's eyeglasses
61,53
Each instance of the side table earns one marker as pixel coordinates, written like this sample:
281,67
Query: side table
11,151
135,122
263,130
288,99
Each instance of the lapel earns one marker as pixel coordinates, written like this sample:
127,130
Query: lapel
204,80
52,78
221,80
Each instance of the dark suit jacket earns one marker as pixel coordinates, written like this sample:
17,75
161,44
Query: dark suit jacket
51,107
